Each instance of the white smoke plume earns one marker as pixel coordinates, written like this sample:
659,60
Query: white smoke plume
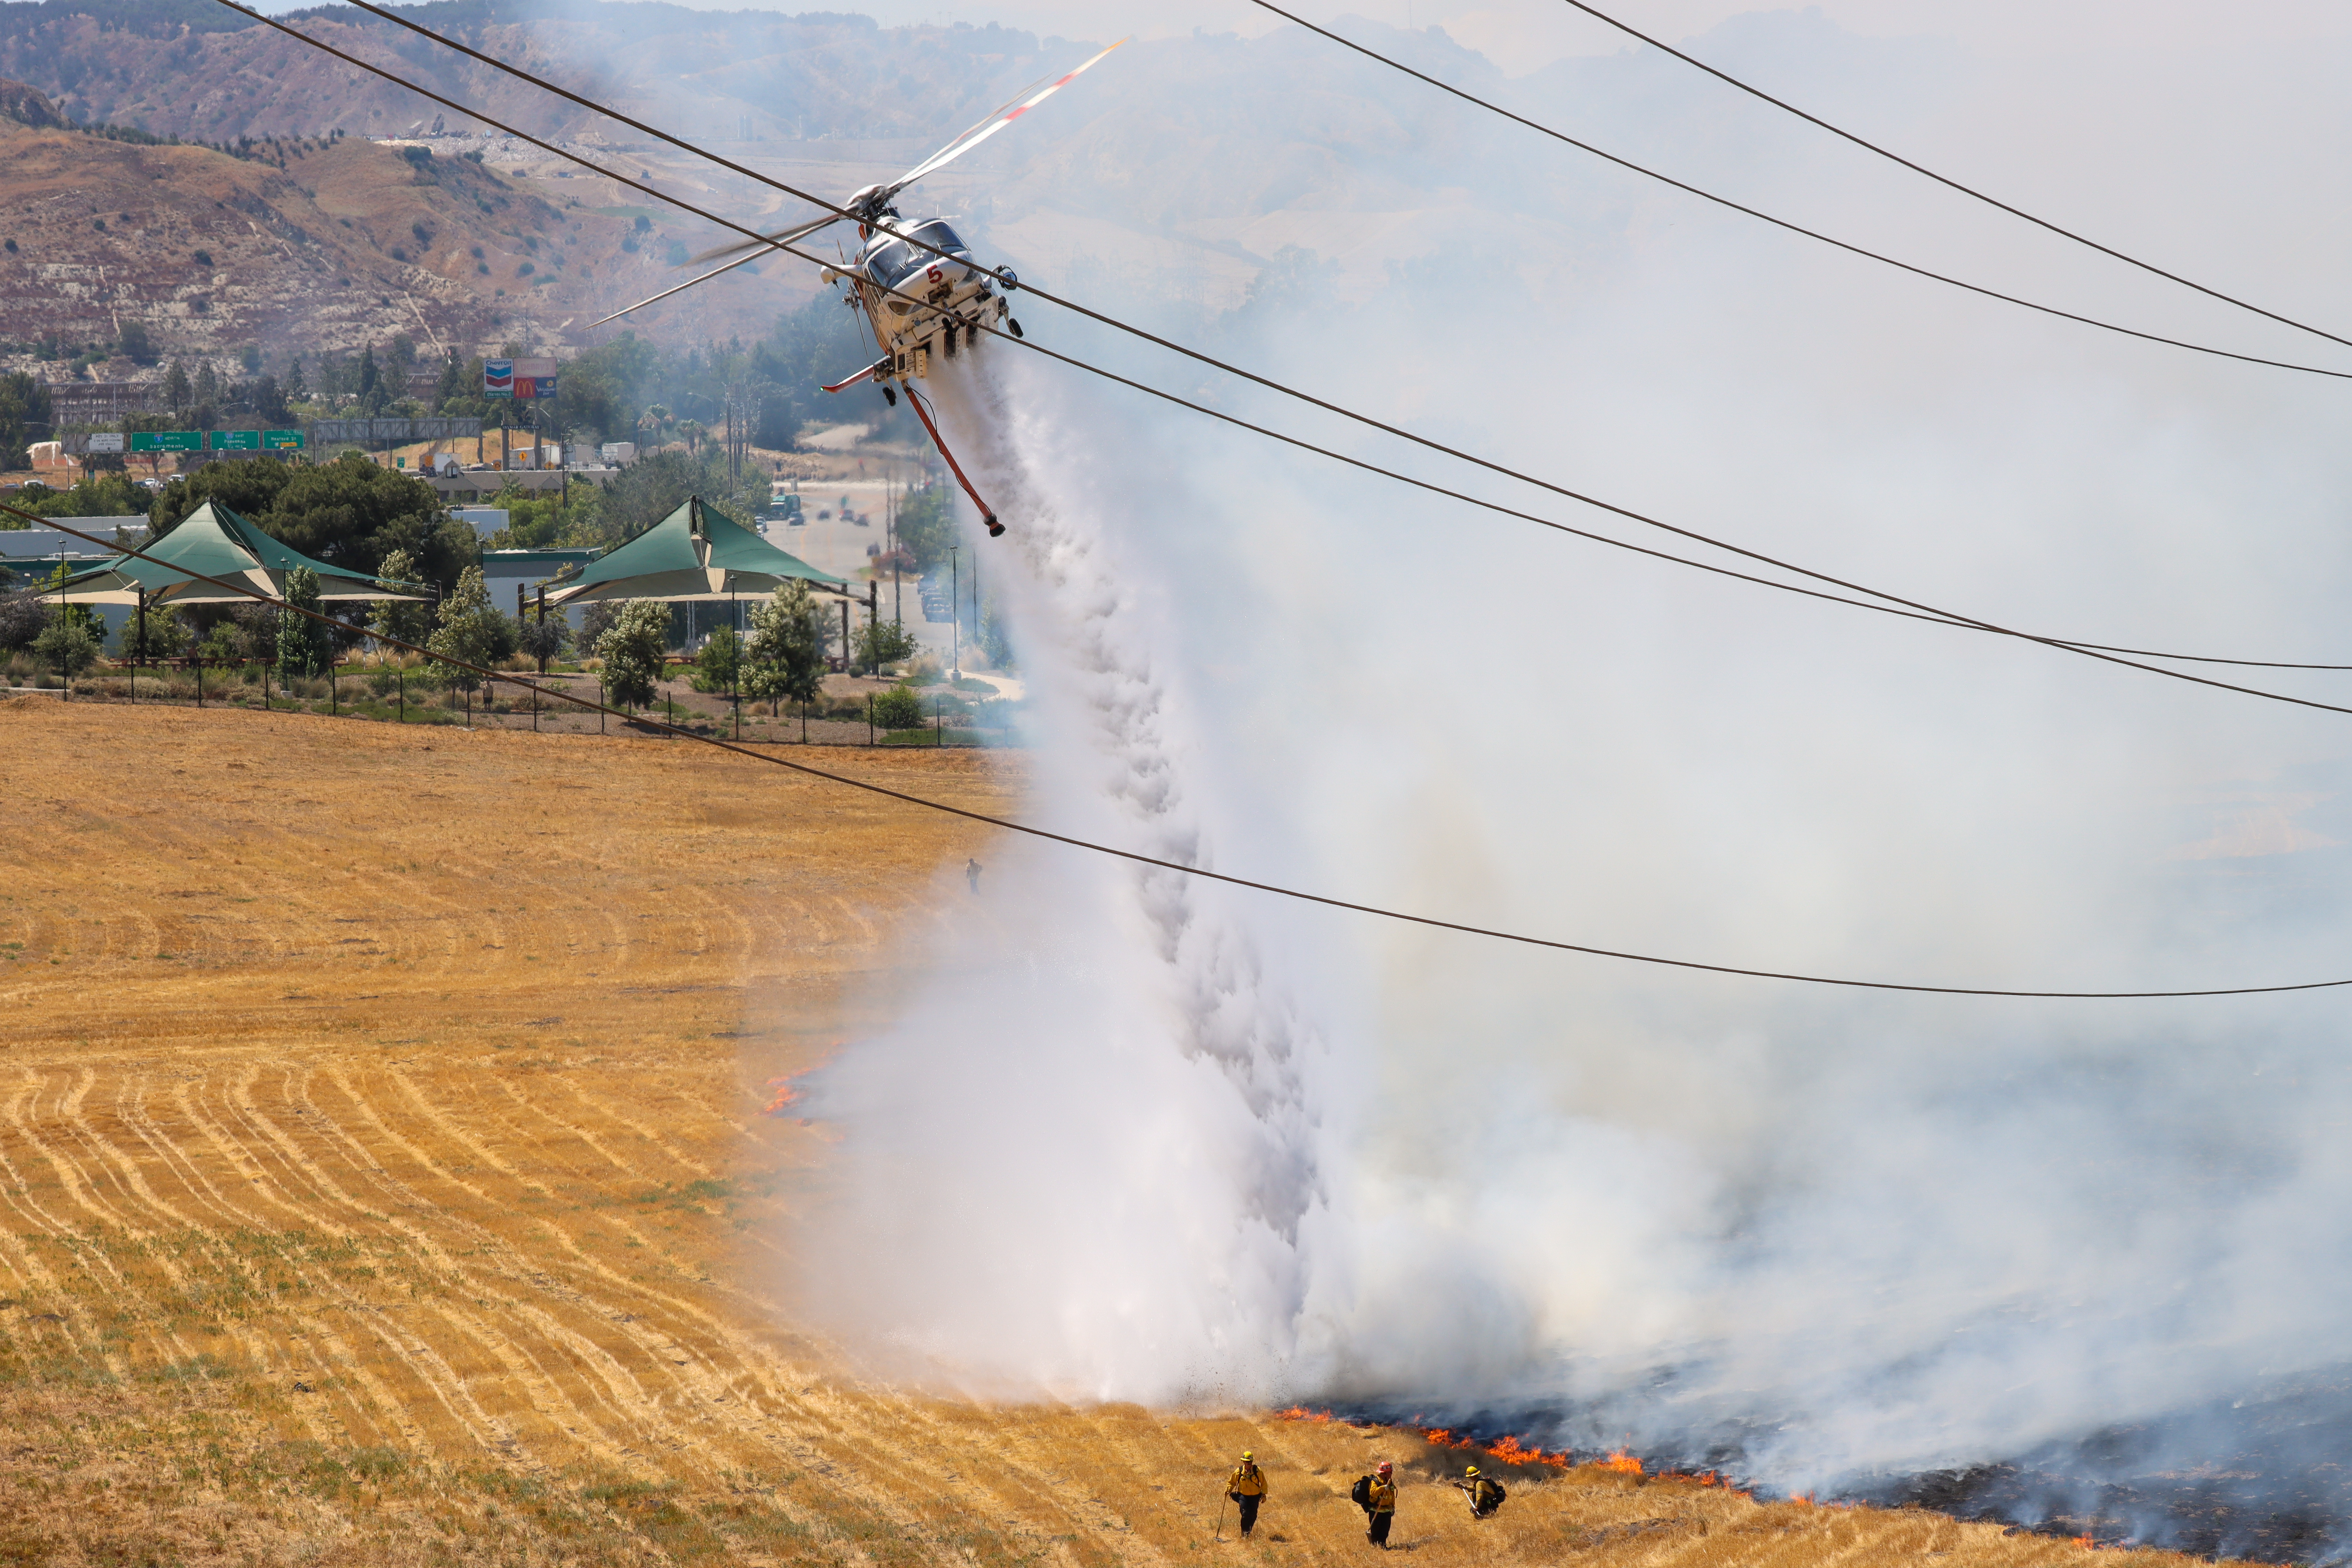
1147,1140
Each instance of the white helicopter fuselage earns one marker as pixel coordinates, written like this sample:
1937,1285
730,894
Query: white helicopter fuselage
922,305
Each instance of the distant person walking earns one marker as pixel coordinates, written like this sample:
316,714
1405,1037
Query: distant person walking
1485,1495
1246,1487
1377,1493
971,870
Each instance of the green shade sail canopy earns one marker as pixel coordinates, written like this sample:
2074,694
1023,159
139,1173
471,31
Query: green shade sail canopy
695,552
216,541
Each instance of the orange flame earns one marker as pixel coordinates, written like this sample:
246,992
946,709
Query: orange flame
2086,1543
1507,1450
786,1094
1511,1452
1803,1500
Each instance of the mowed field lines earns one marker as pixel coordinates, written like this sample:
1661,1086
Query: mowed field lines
386,1176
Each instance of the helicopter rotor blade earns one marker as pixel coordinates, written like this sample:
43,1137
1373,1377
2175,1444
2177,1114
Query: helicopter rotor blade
1029,97
751,256
781,236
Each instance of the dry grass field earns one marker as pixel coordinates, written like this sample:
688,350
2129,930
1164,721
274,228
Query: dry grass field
385,1178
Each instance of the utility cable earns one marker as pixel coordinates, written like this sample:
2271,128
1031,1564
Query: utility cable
1540,129
1955,185
1916,609
1133,857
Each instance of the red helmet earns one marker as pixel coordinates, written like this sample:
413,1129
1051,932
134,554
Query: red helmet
1384,1468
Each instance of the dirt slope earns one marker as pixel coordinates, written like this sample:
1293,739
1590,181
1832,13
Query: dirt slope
347,244
385,1178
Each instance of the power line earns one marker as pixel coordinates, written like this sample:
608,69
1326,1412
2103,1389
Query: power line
1156,862
1955,185
1540,129
1912,608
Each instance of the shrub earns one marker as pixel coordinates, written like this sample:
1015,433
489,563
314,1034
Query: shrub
66,645
899,708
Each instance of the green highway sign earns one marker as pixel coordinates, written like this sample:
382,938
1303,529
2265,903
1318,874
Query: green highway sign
234,441
281,440
167,441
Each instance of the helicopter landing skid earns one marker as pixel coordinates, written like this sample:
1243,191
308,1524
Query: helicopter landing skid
877,371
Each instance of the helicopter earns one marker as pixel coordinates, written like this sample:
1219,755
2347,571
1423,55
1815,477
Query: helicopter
916,284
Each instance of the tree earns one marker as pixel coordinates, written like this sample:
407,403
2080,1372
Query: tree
135,343
649,492
205,387
632,647
163,637
348,513
926,526
302,647
175,386
24,418
595,620
720,662
295,391
543,639
881,642
408,620
66,645
22,616
472,631
111,494
786,656
269,402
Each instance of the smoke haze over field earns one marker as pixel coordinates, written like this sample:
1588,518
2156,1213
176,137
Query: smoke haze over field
1148,1140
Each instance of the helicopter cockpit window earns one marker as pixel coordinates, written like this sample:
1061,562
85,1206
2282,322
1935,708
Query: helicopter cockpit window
897,261
940,236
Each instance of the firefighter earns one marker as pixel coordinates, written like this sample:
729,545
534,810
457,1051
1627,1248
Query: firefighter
1485,1496
1382,1506
1246,1487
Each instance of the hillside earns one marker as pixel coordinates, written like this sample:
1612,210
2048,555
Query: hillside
416,1186
198,69
1129,177
333,243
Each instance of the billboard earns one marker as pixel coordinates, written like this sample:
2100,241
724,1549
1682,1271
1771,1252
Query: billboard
104,441
498,378
167,441
234,441
533,378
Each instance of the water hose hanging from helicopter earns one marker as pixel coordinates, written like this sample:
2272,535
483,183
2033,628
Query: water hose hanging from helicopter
918,401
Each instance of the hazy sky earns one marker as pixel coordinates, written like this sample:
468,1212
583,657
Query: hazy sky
1523,35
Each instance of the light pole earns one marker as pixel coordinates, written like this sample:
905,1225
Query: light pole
955,613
